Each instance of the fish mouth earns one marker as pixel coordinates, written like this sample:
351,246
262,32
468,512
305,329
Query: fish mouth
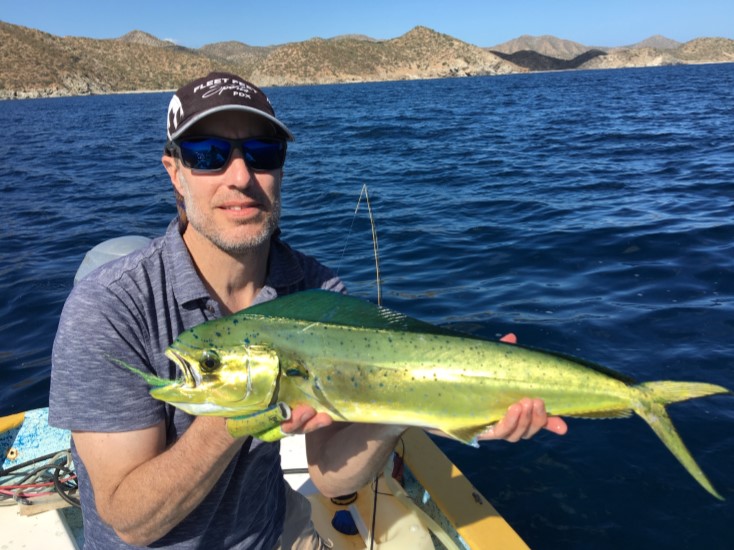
191,376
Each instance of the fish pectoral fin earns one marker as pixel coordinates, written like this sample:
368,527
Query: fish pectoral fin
262,422
271,435
467,435
323,399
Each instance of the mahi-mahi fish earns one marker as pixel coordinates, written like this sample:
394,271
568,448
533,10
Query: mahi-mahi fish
360,362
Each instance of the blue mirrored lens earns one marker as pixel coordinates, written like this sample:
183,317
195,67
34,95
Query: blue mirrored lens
264,154
205,154
211,153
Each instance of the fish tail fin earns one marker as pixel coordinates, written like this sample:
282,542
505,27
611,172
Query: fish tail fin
666,391
651,407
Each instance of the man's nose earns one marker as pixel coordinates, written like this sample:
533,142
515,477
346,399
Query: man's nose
239,173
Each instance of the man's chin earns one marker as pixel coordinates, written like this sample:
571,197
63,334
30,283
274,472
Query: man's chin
243,240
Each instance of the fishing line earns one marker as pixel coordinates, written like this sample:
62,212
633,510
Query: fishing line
375,246
378,282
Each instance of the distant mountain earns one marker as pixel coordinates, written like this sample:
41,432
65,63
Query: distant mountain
420,53
353,37
237,53
549,46
38,64
140,37
657,42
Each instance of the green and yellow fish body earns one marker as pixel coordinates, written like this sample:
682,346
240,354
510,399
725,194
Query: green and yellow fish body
363,363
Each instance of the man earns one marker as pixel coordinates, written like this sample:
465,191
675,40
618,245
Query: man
150,474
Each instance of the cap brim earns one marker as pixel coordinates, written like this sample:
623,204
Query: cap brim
281,128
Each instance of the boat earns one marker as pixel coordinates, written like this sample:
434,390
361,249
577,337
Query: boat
421,500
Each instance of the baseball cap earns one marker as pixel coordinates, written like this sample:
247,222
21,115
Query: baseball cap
219,91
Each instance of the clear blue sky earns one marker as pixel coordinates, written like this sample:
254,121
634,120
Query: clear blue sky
479,22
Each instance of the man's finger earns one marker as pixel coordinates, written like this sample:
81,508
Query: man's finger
556,425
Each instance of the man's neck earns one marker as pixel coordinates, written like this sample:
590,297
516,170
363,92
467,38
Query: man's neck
234,281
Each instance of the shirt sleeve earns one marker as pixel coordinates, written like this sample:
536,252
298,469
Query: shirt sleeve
317,275
90,390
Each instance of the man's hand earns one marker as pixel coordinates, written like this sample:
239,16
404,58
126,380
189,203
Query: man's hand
305,419
523,420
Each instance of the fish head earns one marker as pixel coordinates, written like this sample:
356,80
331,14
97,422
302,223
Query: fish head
219,379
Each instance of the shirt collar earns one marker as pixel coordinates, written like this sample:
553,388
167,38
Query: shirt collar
187,286
284,269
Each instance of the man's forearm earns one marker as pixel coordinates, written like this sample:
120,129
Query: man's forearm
344,457
154,497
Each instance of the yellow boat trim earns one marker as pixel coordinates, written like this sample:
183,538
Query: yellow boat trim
12,421
476,520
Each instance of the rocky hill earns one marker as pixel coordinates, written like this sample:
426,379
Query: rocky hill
247,58
38,64
700,50
658,42
548,53
707,50
548,46
420,53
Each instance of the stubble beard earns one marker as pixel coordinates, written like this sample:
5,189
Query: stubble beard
235,246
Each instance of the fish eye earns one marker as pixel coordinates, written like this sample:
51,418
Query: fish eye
209,361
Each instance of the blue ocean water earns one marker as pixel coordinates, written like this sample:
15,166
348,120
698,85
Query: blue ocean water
591,213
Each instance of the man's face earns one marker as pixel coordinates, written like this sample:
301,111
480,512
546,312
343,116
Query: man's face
236,209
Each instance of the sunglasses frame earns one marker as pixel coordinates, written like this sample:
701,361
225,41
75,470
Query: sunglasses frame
173,148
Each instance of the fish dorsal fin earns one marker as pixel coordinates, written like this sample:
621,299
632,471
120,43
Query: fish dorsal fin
323,306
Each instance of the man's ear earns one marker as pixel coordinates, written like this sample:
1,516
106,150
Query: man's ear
171,166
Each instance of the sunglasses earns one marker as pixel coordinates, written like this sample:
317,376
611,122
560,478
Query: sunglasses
210,154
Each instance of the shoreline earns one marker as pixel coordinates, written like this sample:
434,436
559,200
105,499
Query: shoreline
38,94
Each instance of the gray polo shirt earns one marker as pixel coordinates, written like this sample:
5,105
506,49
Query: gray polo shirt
131,310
